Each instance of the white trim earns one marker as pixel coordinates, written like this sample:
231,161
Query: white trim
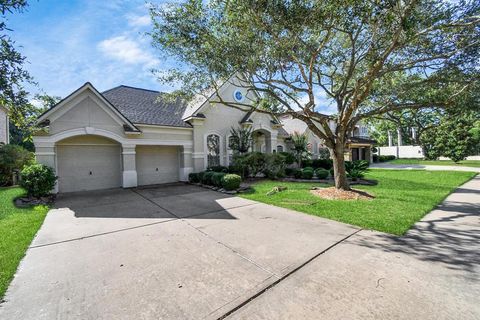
129,152
155,128
38,140
45,153
198,155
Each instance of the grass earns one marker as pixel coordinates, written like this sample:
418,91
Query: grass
465,163
402,198
17,229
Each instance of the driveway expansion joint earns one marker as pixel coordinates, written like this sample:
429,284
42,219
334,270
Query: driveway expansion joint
284,277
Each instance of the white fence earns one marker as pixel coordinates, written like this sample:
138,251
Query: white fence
410,152
402,151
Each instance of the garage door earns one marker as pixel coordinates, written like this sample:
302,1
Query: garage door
156,164
88,167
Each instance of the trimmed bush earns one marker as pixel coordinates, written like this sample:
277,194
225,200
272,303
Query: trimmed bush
193,177
321,173
231,181
297,173
322,163
307,163
307,173
200,176
38,180
217,179
385,158
207,178
289,172
218,169
309,168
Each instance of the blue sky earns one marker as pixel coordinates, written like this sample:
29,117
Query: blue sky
68,43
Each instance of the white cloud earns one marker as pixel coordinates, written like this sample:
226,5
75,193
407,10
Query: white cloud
126,50
139,21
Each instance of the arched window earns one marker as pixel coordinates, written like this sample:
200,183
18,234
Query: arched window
279,148
213,150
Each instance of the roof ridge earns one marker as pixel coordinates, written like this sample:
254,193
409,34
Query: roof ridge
130,87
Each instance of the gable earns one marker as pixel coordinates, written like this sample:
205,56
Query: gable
85,107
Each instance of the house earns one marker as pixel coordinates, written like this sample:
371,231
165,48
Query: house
359,143
128,137
4,134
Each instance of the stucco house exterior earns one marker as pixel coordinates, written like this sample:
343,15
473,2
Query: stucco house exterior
128,137
4,134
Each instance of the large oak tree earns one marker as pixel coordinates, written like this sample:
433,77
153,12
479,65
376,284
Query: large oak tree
367,57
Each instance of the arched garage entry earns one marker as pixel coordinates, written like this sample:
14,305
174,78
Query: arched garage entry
88,162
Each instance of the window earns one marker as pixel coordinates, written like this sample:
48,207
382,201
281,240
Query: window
279,148
213,150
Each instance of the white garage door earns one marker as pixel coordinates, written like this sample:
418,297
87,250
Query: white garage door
88,167
156,164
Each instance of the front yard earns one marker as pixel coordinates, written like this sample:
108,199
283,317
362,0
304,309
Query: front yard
17,229
465,163
401,198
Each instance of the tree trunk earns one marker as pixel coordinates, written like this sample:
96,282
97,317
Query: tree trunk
340,174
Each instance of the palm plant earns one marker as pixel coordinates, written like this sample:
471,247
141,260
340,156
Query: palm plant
300,146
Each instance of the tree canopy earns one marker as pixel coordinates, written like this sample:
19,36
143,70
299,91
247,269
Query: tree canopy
368,57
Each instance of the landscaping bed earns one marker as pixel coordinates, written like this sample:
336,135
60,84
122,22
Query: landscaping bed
401,198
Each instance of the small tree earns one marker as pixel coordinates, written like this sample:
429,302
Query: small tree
12,157
300,147
240,140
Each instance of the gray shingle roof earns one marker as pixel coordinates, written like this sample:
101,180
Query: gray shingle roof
146,106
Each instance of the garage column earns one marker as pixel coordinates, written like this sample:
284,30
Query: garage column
45,154
129,166
186,163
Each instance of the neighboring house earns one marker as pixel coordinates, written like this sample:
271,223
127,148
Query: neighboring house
128,137
359,143
4,134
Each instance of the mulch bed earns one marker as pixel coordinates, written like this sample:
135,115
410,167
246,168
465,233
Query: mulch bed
364,182
336,194
31,201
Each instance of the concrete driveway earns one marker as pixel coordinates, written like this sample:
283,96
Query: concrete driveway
169,252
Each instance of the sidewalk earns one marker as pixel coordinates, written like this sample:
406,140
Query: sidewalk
386,165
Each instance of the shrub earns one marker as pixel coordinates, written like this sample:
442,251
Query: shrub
12,157
289,171
231,181
218,169
385,158
321,173
200,176
255,162
356,169
289,157
322,163
309,168
307,163
193,177
274,166
217,179
307,173
207,178
297,173
38,180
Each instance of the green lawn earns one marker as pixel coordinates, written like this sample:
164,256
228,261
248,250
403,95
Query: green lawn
466,163
402,198
17,229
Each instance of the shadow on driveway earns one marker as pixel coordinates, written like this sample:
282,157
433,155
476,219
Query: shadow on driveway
168,201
